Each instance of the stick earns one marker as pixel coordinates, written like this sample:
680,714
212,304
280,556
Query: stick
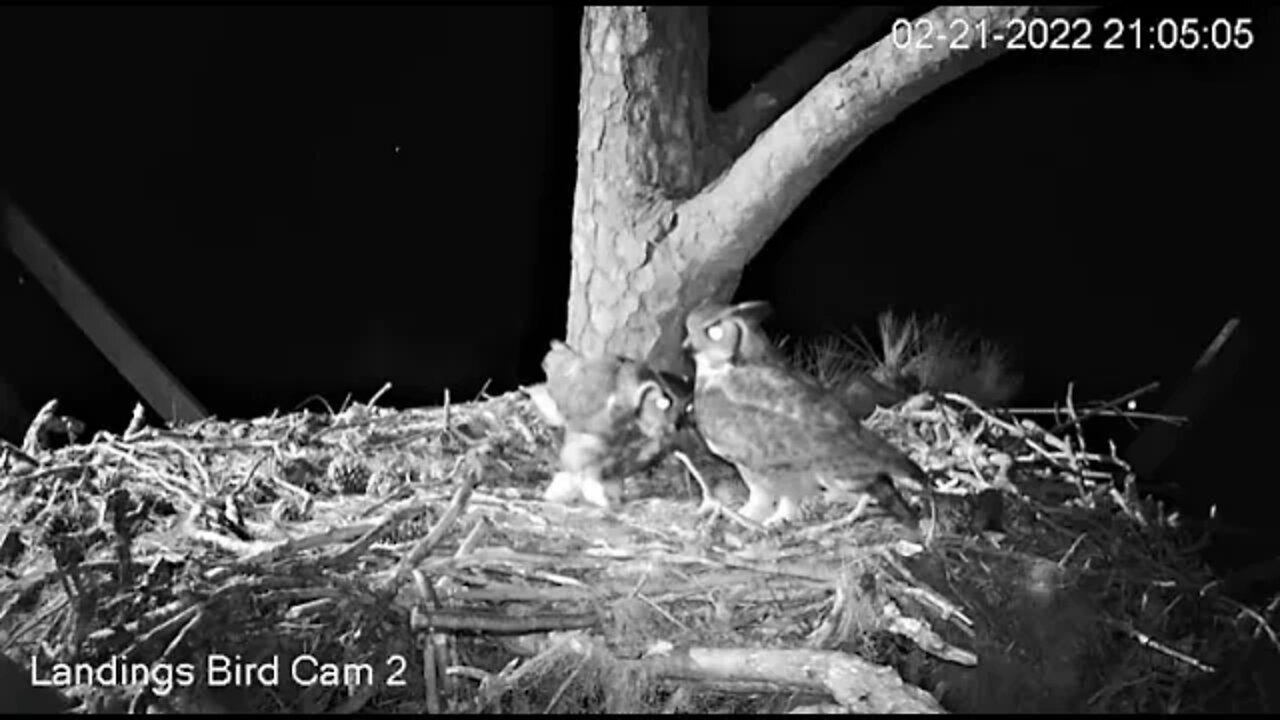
1109,405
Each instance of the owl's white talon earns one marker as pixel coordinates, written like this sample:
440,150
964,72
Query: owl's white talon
600,493
787,510
757,506
565,487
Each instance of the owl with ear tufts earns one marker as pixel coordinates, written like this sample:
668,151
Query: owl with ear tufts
620,417
788,437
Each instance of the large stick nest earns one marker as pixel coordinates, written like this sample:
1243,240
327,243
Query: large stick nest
408,555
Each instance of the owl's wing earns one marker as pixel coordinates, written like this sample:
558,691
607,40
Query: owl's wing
596,394
762,417
861,451
785,421
582,388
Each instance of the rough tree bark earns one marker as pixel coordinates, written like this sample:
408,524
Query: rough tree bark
672,200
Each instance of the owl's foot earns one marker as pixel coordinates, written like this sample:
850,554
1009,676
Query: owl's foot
788,509
565,487
604,494
757,506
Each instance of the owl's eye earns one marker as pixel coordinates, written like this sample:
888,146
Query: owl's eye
663,402
715,333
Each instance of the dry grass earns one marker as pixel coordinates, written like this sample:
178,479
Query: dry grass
417,539
942,358
835,360
915,354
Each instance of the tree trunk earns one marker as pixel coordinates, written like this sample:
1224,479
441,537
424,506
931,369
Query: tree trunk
672,200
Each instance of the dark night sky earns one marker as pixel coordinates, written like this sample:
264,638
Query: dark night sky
228,179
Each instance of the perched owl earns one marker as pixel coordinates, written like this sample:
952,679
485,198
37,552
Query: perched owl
620,417
861,394
789,437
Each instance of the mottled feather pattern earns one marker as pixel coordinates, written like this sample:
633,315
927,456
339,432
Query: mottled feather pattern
595,395
766,417
586,390
634,449
788,436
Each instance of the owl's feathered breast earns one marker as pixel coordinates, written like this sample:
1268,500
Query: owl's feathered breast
654,432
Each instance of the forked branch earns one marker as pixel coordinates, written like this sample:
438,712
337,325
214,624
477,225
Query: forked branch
766,184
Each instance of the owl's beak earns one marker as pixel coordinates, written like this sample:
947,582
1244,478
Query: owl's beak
688,343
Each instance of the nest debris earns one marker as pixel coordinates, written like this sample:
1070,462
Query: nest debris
375,560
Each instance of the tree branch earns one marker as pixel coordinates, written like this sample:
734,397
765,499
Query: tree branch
782,86
788,160
859,686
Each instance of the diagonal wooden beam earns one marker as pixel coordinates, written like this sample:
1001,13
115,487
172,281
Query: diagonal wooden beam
1209,381
161,390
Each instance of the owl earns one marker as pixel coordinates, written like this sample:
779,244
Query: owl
788,436
861,394
620,417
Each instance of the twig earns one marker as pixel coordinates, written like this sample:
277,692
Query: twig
175,484
582,662
381,391
859,686
473,537
1262,625
1008,427
1110,412
1108,405
1077,476
182,634
302,405
1075,544
1150,642
199,466
137,421
493,623
430,677
18,452
177,623
433,538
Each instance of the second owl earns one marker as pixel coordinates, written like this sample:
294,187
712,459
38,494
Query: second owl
788,437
